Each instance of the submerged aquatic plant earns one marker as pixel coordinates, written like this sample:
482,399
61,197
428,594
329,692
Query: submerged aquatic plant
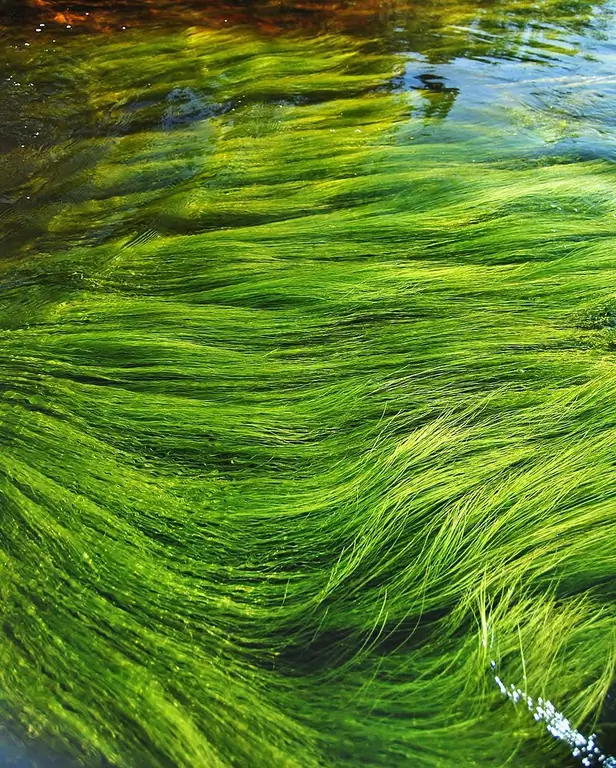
305,393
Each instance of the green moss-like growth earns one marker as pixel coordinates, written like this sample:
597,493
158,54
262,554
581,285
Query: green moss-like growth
306,417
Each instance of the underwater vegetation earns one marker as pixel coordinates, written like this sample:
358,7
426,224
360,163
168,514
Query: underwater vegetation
307,375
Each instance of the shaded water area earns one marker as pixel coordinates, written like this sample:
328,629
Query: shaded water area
307,412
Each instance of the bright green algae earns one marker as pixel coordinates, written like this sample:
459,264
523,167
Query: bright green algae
307,415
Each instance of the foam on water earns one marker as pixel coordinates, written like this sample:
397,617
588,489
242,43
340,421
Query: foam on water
582,747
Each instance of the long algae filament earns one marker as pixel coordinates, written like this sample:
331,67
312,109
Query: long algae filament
307,415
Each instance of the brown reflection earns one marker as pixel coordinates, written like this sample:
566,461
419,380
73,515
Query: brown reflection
414,21
267,15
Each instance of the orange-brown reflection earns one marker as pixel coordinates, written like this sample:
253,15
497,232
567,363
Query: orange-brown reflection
417,23
267,15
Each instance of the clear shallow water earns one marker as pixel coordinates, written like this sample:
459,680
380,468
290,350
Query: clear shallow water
344,133
512,78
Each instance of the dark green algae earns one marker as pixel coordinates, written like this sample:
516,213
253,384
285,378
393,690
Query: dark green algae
307,382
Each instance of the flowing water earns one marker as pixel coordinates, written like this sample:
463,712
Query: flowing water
307,418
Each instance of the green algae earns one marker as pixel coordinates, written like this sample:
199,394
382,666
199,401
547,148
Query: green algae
306,411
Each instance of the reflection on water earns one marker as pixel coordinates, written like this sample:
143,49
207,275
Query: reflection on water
128,125
542,56
23,753
538,75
